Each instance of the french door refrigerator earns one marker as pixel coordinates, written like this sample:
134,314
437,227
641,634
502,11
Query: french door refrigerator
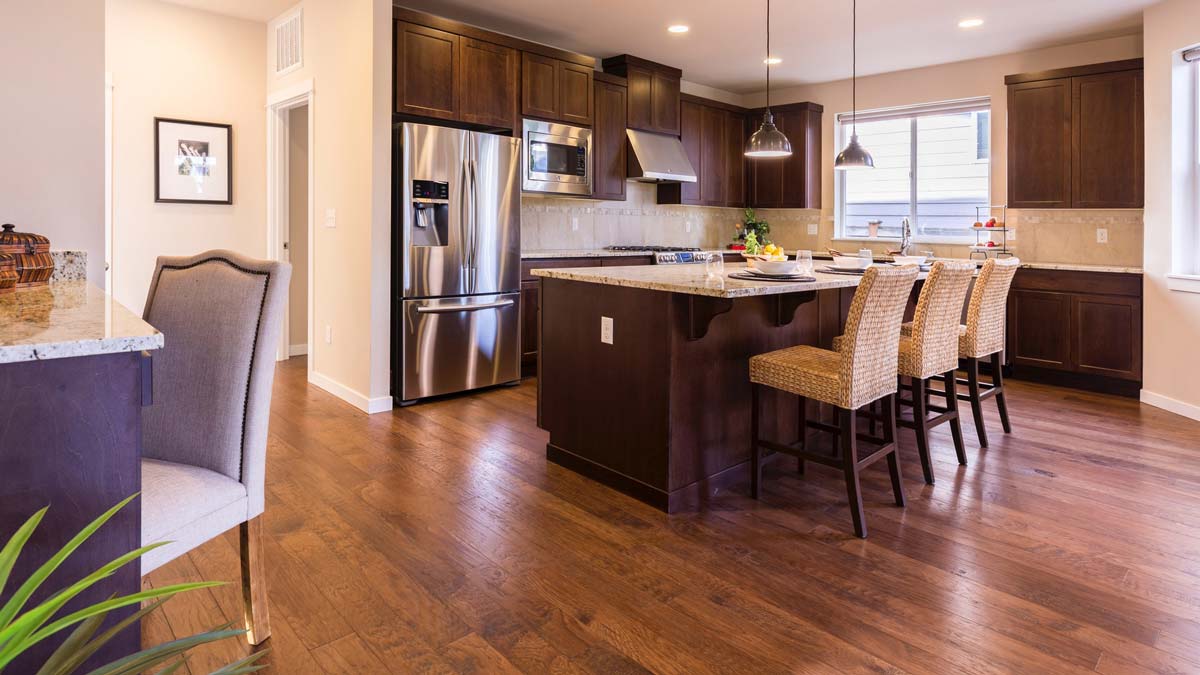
456,261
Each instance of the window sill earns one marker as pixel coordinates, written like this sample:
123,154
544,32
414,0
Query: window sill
1184,283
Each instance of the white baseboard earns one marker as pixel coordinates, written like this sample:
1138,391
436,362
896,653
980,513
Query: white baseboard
297,350
354,398
1170,405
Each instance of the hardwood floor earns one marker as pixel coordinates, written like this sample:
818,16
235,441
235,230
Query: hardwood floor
437,539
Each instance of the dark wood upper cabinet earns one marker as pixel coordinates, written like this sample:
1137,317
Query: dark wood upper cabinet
795,181
539,86
713,149
1075,137
691,134
487,83
608,141
735,159
575,93
426,71
1106,140
653,93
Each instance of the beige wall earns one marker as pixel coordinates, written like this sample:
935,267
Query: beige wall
1171,318
1044,236
169,61
52,116
298,226
347,55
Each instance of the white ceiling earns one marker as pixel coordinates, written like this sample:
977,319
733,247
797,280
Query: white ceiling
725,47
254,10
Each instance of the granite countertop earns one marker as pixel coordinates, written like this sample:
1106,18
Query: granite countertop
1077,267
581,253
66,319
692,280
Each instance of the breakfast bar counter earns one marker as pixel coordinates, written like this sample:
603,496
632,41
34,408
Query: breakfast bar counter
643,372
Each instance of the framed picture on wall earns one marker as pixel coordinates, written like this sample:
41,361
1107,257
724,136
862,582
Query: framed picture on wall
193,162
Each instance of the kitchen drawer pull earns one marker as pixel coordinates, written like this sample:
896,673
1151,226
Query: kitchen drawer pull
449,309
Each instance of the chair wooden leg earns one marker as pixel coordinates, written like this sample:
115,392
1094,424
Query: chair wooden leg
848,438
755,451
976,401
951,383
919,397
254,582
889,436
998,383
802,423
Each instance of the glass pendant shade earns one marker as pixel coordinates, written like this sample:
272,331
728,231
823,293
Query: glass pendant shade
768,141
854,156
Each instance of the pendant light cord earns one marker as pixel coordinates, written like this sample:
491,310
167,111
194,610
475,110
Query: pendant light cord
768,59
853,68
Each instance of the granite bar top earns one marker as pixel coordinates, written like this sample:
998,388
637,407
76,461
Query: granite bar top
581,253
692,280
66,319
1076,267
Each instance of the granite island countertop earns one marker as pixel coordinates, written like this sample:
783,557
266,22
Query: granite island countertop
692,280
67,319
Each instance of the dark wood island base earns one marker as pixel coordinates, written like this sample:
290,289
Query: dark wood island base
663,413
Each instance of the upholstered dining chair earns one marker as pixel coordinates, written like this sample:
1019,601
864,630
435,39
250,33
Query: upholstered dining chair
205,432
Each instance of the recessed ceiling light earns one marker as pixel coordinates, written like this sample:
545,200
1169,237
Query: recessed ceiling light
677,28
772,60
970,23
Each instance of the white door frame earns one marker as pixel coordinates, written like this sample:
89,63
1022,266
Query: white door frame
108,183
278,106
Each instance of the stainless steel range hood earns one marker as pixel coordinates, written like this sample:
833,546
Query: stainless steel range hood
658,158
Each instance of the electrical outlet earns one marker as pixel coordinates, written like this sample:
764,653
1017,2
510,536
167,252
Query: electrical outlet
574,223
812,229
330,217
328,334
606,330
687,225
1101,235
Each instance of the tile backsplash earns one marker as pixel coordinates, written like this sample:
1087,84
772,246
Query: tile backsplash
1041,235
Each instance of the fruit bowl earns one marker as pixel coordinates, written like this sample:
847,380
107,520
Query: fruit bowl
776,267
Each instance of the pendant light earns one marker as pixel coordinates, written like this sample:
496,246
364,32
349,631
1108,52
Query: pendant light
854,156
768,141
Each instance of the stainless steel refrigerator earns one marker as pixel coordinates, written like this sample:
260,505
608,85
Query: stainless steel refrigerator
456,263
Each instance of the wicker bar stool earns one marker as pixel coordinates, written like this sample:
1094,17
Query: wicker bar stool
929,349
983,337
863,370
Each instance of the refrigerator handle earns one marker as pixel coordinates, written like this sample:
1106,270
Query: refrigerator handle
473,251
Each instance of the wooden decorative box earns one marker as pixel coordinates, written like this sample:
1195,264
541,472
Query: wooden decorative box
8,273
34,265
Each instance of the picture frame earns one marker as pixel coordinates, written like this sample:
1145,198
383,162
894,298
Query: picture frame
193,162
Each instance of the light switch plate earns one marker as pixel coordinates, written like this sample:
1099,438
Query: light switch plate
812,229
328,334
574,223
1101,235
330,217
606,330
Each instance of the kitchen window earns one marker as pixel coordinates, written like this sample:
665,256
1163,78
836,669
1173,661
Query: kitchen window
1185,235
932,166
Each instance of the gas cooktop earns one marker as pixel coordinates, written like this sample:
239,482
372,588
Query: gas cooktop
651,249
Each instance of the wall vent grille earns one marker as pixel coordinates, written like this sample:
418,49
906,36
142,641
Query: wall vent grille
288,31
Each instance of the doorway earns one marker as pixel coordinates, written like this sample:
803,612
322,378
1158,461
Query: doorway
296,243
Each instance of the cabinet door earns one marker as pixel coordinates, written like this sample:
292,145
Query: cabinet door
487,83
712,156
1039,144
608,142
691,133
1107,335
735,160
575,93
426,69
529,326
1106,140
1040,329
766,174
665,107
539,86
641,85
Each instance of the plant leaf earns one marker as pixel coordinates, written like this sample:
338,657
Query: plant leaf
75,660
8,556
22,594
74,643
147,658
173,667
246,665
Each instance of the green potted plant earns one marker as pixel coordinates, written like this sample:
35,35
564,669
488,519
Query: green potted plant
751,233
22,627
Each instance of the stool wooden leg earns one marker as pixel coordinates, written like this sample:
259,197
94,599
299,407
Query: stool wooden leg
893,458
755,452
802,422
254,581
955,425
919,397
849,441
976,402
998,383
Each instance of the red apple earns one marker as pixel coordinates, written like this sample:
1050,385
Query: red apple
991,243
990,223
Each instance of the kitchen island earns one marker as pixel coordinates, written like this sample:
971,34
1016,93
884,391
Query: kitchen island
74,375
657,402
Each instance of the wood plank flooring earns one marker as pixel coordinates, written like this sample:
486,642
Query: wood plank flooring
437,539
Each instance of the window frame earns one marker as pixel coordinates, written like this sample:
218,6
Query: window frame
1184,272
842,124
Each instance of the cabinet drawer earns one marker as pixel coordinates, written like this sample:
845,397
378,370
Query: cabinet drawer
1069,281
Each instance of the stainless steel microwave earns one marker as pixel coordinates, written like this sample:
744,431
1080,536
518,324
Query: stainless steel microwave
556,158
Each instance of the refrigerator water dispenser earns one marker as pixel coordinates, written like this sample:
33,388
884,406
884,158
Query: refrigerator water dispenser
431,212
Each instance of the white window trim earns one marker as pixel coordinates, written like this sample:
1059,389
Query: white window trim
1185,234
841,133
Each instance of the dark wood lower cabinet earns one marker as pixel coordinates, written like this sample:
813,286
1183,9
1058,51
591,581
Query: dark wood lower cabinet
1081,329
